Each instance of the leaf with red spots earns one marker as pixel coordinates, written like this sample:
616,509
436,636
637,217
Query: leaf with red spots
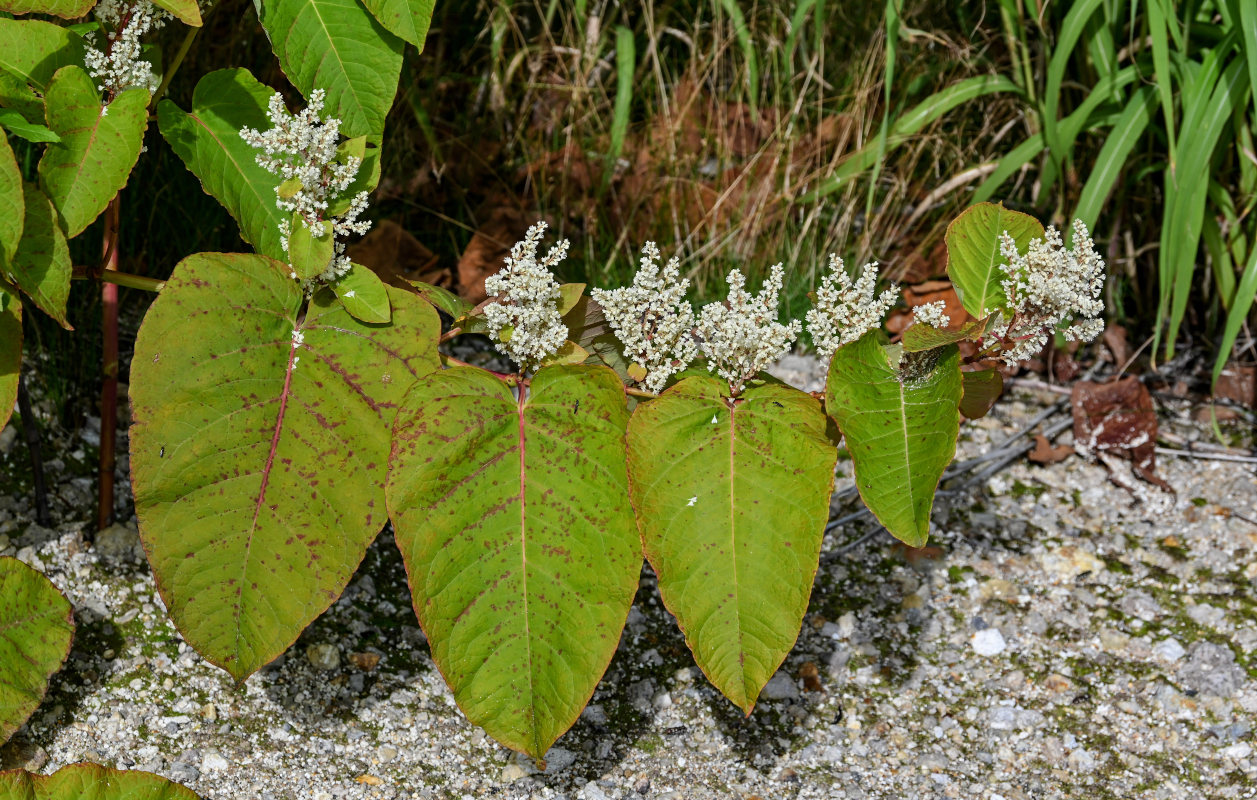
89,781
259,447
732,498
36,627
899,414
514,522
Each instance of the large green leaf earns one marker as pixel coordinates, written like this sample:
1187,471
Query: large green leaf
973,255
10,349
337,46
898,412
409,19
36,627
66,9
208,140
41,266
34,50
258,459
87,781
13,122
515,525
732,499
12,204
93,160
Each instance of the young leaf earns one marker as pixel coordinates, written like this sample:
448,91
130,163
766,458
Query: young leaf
308,254
732,504
33,50
568,353
898,412
259,447
569,295
16,124
186,11
93,160
363,295
981,389
973,255
12,204
208,140
919,337
88,781
10,349
515,526
408,19
442,299
337,46
41,267
36,626
66,9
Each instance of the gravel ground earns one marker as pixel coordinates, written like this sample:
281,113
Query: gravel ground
1060,639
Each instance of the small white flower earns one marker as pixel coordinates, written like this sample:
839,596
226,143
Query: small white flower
117,65
652,319
301,149
845,311
741,336
1046,286
298,337
526,304
932,314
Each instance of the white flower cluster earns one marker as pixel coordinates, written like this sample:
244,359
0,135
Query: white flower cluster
652,319
741,336
932,314
845,311
525,310
1047,285
302,150
118,65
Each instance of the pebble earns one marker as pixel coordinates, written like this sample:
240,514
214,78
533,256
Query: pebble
323,656
1211,669
1168,650
988,642
212,762
1238,752
593,791
513,772
780,687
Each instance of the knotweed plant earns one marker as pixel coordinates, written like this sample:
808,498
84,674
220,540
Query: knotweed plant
844,311
316,170
741,336
524,317
114,58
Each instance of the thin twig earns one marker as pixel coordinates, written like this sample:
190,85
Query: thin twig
109,370
31,428
1173,451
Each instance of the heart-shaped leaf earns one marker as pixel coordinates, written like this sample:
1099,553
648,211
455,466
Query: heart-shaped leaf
898,412
732,499
363,295
408,19
514,522
66,9
12,203
337,46
41,267
10,349
973,254
98,147
36,627
208,140
87,781
259,447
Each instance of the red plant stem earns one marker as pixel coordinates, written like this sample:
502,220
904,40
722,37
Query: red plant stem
109,384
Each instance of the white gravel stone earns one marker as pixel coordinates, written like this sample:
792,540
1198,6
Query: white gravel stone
988,642
1168,650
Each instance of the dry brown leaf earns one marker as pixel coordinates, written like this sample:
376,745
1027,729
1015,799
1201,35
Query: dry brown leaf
1115,340
502,223
811,677
1045,453
1118,418
1238,383
365,661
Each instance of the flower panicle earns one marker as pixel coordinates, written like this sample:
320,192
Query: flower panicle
524,318
845,310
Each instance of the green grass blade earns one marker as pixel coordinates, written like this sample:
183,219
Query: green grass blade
1009,165
1247,14
796,24
1112,158
1071,30
1161,66
625,63
1241,304
930,109
743,32
892,48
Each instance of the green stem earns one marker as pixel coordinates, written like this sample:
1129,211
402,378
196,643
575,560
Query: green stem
122,279
175,63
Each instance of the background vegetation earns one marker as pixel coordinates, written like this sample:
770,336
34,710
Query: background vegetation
746,133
